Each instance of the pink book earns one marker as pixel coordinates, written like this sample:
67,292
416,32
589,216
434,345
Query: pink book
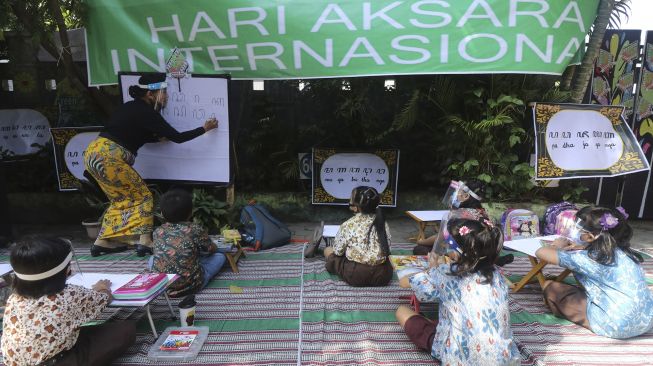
141,283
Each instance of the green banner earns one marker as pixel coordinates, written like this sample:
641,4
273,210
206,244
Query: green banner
254,39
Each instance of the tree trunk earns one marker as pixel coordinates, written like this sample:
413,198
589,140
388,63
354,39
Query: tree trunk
72,71
586,70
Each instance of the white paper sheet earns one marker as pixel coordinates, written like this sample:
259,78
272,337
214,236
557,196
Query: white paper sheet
529,246
5,268
330,231
429,215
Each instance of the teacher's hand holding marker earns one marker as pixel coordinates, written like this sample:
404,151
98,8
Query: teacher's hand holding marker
210,124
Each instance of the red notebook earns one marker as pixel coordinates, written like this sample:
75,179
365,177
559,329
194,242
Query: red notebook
141,283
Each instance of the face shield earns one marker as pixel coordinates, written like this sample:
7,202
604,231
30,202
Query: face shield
441,245
451,193
458,193
161,97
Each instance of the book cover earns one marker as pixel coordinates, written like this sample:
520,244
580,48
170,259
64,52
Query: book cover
224,246
179,340
406,265
142,283
142,295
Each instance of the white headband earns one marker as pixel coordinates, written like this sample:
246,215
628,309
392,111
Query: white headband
154,86
46,274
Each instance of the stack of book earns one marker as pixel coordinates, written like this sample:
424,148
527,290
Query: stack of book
141,287
224,246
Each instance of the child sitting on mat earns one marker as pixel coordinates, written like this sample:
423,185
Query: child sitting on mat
43,319
464,202
177,245
615,300
473,326
359,254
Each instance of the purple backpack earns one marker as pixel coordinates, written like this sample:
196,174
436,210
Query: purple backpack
551,216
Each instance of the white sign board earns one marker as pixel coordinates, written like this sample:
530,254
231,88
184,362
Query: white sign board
191,101
341,173
337,173
579,142
20,129
584,141
74,153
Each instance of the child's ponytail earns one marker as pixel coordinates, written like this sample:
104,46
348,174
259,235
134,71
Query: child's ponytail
379,226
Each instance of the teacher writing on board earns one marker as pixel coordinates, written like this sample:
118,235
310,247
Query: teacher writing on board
110,157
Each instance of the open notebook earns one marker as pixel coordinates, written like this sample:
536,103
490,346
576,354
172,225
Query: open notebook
117,280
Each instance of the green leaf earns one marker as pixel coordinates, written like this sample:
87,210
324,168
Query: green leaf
469,163
514,140
484,178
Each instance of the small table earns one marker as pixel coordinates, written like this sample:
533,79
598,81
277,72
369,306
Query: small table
426,218
329,233
529,247
117,280
5,268
232,257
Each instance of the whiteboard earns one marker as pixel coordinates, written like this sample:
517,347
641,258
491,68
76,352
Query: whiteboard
191,101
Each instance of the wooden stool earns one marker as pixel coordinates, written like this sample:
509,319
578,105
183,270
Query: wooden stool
233,257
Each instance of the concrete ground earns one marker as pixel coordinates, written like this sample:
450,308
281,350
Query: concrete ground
401,230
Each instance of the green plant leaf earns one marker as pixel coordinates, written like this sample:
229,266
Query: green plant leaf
484,178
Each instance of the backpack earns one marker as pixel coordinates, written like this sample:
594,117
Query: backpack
565,221
261,230
551,216
519,224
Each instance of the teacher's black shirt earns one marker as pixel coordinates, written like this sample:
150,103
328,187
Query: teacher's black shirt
136,123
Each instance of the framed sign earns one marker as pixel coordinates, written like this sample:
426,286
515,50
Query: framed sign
584,141
69,144
336,173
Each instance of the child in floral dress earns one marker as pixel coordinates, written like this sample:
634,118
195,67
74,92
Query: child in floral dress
473,326
177,246
615,300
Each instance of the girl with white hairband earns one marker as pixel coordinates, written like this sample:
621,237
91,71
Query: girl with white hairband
109,159
43,315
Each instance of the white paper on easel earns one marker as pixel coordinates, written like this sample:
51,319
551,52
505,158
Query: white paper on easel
191,101
529,246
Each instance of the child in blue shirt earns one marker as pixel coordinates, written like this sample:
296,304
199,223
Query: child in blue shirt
473,325
615,301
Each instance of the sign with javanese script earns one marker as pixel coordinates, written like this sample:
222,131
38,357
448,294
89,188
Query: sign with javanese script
253,39
336,173
583,141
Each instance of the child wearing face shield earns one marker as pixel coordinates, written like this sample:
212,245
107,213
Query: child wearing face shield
615,300
468,287
464,200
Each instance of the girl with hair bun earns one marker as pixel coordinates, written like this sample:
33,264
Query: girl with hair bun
473,326
614,300
362,245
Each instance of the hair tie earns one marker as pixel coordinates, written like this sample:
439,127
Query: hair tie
623,212
608,221
464,231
